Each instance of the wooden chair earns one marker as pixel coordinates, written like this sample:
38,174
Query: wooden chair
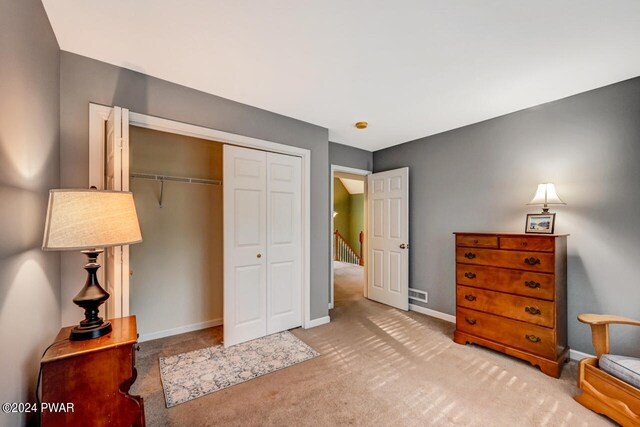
602,392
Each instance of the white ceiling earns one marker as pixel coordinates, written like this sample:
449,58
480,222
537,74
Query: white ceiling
411,68
353,186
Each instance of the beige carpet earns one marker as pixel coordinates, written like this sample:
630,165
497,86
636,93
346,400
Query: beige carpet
378,366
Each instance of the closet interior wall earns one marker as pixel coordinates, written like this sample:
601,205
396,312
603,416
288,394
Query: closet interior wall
177,271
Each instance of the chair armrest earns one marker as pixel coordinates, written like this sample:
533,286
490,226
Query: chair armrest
605,319
600,329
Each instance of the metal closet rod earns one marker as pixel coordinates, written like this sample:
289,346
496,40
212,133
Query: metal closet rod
176,179
164,178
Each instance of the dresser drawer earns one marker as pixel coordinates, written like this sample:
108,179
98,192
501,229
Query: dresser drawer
512,333
532,261
529,310
525,283
543,244
477,240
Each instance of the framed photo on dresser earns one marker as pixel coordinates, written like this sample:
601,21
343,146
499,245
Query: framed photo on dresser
543,223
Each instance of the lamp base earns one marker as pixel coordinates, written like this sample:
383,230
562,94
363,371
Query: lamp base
80,333
90,297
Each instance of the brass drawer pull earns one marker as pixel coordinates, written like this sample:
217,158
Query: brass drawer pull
469,275
532,261
469,255
532,284
470,320
533,338
532,310
470,297
475,242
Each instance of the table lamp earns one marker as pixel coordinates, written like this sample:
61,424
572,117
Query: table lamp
546,195
89,221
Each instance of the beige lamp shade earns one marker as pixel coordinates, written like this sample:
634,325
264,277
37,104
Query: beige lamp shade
546,195
86,219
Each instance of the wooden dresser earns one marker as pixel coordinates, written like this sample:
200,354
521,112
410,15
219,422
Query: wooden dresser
511,295
95,376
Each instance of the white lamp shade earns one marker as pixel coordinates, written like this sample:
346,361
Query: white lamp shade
87,219
546,195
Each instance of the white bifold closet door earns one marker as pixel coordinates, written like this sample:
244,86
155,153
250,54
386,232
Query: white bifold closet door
116,174
262,243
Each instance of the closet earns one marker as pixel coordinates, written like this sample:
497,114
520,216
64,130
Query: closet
177,281
262,243
214,254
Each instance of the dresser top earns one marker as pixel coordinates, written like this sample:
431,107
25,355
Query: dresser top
123,333
506,233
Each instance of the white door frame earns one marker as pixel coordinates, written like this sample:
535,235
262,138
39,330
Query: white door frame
97,115
353,171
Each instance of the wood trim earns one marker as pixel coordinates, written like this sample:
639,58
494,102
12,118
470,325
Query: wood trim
318,322
180,330
98,115
432,313
579,355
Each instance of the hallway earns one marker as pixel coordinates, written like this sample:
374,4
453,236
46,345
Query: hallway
348,283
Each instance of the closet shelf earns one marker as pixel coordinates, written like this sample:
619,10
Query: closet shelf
184,179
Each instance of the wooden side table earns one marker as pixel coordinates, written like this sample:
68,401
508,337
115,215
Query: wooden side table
94,376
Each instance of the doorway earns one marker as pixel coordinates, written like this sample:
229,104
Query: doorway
348,236
385,243
176,280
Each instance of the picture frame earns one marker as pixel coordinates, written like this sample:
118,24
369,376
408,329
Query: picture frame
542,223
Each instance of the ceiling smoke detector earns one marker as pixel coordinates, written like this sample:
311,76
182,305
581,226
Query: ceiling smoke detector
362,125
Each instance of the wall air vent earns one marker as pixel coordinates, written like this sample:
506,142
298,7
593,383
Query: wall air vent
418,295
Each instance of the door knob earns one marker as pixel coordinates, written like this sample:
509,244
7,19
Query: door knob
403,246
259,256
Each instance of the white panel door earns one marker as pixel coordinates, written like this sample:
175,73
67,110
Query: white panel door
117,178
245,244
388,249
284,242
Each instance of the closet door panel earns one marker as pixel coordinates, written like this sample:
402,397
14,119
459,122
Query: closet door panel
284,242
247,285
245,244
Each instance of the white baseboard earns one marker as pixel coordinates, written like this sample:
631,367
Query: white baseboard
180,330
317,322
432,313
578,355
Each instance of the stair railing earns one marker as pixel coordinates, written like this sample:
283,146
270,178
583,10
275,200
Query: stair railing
345,253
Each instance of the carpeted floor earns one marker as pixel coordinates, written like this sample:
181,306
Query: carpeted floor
378,366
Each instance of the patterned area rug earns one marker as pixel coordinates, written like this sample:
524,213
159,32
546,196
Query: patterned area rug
190,375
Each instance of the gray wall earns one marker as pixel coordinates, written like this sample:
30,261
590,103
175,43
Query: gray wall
352,157
84,80
177,270
478,178
29,167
